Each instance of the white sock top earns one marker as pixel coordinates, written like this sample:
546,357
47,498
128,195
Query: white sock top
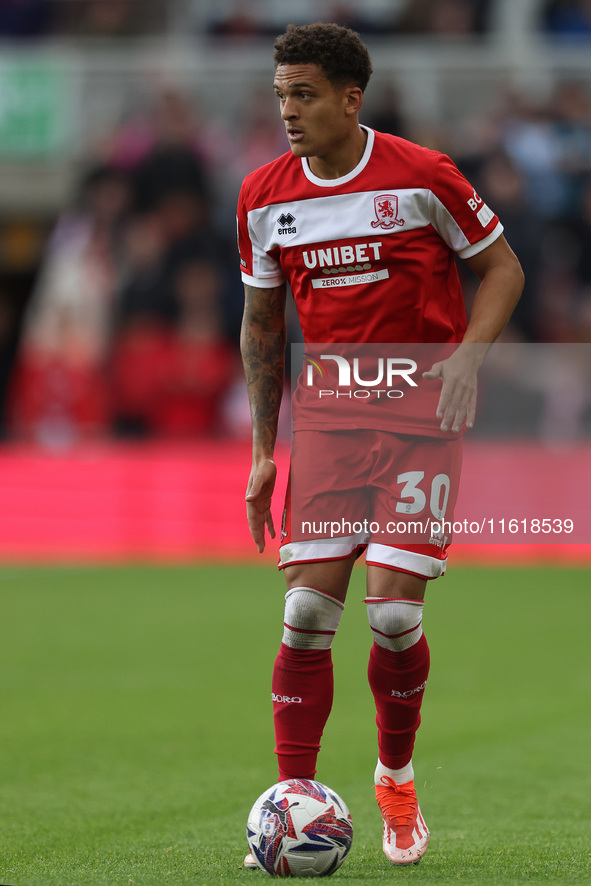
400,776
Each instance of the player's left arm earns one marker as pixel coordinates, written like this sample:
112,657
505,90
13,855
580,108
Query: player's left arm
501,283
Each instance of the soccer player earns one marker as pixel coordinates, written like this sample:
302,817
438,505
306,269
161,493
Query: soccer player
364,227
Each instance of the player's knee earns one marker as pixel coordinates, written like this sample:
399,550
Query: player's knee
395,624
311,618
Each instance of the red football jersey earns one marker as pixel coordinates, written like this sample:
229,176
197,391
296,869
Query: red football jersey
369,257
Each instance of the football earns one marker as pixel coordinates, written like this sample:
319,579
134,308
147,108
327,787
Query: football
299,828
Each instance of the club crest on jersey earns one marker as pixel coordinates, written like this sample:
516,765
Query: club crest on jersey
386,210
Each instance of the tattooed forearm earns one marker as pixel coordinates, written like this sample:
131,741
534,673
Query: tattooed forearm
262,343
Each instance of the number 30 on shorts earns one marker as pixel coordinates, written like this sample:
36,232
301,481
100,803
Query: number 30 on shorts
438,494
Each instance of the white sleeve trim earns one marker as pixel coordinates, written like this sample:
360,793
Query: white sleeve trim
475,248
264,283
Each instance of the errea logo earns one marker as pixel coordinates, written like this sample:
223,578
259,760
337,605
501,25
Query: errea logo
286,221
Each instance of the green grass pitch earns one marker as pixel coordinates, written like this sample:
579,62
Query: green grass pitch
136,727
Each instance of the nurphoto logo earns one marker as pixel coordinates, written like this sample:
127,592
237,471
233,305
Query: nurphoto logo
386,371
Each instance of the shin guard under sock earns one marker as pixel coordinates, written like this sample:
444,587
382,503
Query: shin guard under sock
397,680
302,699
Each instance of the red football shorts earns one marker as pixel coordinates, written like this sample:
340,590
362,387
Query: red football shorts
391,495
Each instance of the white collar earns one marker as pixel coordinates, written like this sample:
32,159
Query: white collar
335,182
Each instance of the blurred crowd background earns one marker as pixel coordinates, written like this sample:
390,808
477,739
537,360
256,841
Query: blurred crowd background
127,126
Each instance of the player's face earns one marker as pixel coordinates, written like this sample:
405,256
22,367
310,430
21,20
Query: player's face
317,115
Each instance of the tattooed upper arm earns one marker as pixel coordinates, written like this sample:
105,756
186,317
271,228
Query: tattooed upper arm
265,307
262,338
262,342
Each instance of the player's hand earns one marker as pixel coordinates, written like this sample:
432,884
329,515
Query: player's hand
457,402
258,501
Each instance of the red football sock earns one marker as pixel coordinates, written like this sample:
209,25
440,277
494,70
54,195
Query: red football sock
302,700
397,680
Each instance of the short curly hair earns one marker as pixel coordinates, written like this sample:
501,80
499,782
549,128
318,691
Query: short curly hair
338,51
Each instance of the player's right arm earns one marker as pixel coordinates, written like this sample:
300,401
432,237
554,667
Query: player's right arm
262,344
